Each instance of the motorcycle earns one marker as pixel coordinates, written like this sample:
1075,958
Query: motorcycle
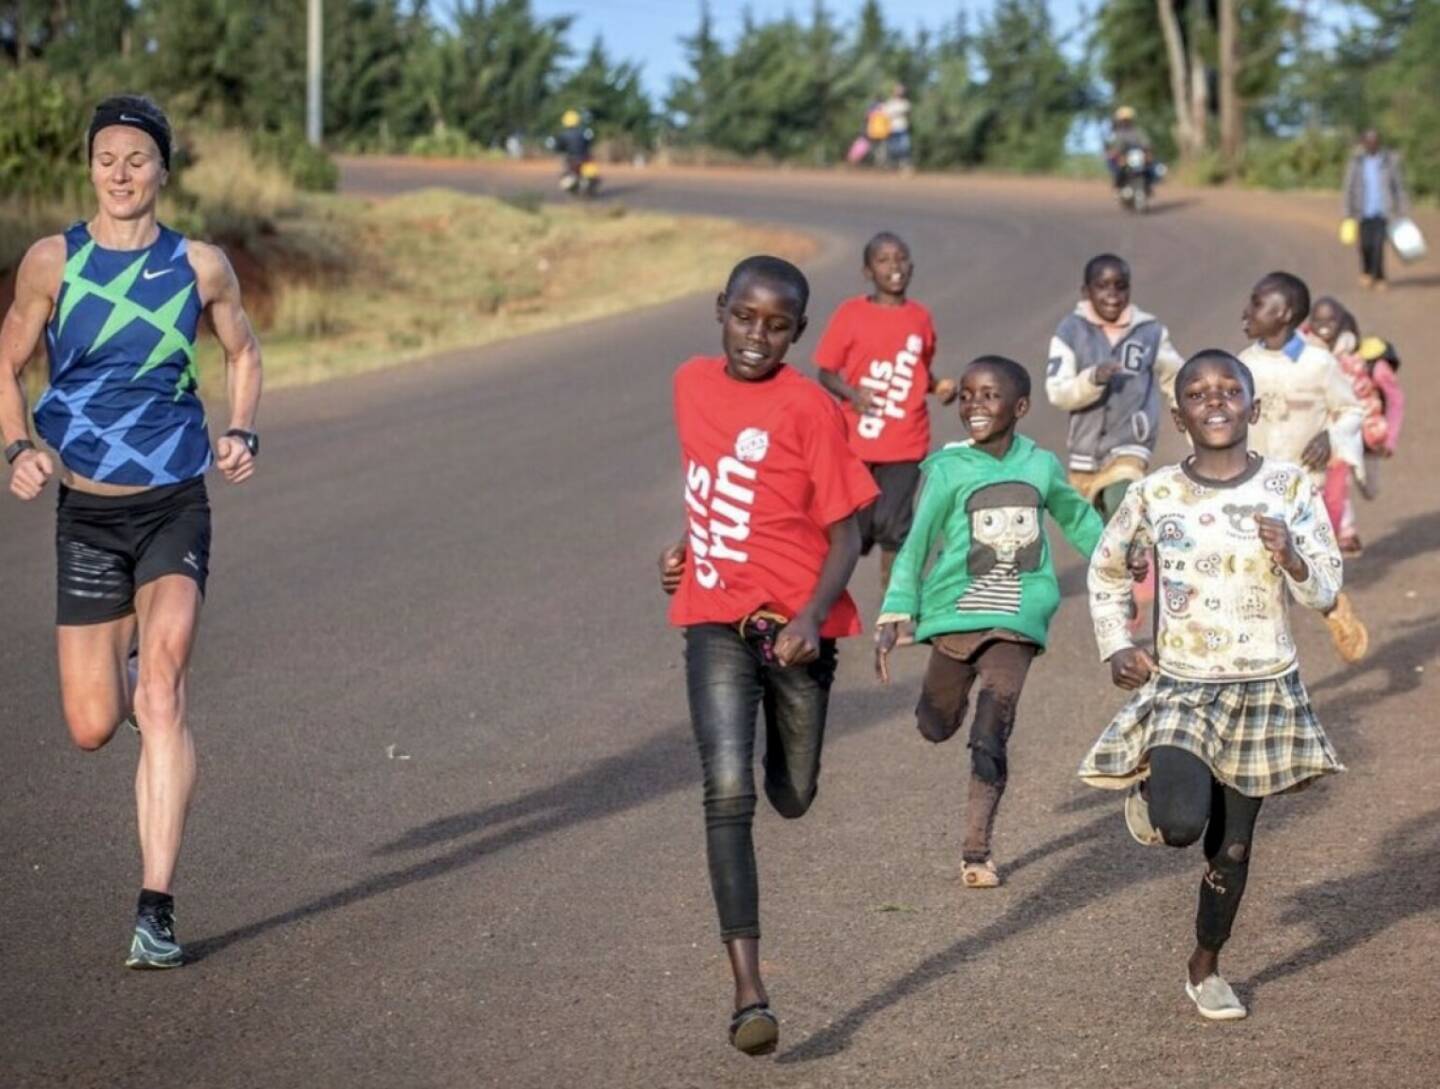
1137,177
581,177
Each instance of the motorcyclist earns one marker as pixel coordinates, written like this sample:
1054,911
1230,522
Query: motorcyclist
1126,135
574,140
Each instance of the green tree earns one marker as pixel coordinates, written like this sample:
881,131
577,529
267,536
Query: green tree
500,66
949,117
612,94
1031,92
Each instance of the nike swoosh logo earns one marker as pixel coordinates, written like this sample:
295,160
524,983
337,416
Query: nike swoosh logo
132,120
157,274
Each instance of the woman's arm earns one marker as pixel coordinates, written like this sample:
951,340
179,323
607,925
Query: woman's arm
36,284
220,295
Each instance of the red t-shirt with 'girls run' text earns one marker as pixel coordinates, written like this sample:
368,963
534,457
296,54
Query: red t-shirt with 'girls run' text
767,472
886,349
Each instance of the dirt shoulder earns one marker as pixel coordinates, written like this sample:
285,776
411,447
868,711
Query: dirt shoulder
352,285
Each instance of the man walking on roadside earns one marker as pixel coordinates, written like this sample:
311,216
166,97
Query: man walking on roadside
1374,194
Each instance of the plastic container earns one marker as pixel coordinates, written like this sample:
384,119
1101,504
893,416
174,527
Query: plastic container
1409,243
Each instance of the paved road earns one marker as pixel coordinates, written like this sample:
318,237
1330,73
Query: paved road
448,832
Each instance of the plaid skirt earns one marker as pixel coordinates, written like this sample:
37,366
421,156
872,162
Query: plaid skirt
1259,737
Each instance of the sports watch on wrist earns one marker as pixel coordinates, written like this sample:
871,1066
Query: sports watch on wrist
16,448
249,438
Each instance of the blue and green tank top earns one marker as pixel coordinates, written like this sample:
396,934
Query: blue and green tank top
121,406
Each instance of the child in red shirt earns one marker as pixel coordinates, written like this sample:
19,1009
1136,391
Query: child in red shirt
875,357
758,585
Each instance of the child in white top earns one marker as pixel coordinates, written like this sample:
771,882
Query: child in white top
1220,720
1308,410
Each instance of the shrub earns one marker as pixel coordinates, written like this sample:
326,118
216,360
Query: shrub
237,193
310,168
1313,160
445,143
41,136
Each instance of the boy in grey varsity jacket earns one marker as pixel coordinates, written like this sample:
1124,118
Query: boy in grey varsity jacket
1110,363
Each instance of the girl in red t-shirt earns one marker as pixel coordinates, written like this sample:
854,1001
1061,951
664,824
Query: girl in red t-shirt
875,356
758,584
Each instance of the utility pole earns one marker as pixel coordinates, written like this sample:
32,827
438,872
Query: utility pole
314,127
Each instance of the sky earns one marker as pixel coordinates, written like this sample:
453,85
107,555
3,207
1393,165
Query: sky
649,31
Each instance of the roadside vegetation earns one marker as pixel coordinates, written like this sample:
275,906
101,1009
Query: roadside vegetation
1263,92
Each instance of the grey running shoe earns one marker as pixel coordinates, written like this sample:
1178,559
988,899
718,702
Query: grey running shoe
154,944
1215,1000
1137,818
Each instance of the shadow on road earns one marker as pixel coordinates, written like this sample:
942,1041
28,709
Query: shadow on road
1416,281
658,766
1400,660
1165,207
1415,536
1111,865
1348,911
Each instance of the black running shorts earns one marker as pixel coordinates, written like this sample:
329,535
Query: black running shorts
106,546
886,522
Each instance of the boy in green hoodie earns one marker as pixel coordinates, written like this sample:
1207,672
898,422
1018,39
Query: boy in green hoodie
986,603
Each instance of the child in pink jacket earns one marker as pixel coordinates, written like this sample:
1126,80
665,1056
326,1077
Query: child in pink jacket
1370,363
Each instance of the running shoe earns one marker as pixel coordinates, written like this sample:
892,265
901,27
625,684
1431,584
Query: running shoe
154,944
1347,631
1137,818
1215,1000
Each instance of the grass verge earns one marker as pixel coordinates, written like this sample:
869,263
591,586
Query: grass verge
347,286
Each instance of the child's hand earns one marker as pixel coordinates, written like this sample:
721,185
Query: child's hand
886,637
864,400
1131,668
798,642
1275,536
946,390
1106,371
672,567
1316,454
1137,561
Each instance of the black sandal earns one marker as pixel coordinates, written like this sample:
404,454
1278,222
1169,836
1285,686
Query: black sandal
754,1029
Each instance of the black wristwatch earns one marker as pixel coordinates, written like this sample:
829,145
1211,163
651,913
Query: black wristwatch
249,438
16,448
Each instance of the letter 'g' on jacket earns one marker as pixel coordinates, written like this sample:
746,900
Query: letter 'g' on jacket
1122,417
994,568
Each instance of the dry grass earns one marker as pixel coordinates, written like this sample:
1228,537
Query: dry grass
230,183
437,270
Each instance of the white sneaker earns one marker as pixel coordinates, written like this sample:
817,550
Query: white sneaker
1215,1000
1137,819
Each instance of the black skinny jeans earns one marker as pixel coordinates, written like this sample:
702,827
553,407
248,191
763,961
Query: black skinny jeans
728,680
1186,802
1373,235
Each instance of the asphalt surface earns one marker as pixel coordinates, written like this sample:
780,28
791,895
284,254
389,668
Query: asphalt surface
448,830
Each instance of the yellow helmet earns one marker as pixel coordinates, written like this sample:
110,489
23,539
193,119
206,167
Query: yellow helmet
569,119
1125,113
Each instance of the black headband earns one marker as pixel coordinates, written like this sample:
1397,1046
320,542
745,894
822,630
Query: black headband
106,116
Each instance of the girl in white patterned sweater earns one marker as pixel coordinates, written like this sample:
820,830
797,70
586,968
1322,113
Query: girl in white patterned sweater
1220,720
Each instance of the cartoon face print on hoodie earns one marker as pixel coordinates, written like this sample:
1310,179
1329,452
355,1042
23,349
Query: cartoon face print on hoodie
1004,542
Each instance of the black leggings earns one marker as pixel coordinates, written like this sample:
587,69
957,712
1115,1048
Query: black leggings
729,680
1186,802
